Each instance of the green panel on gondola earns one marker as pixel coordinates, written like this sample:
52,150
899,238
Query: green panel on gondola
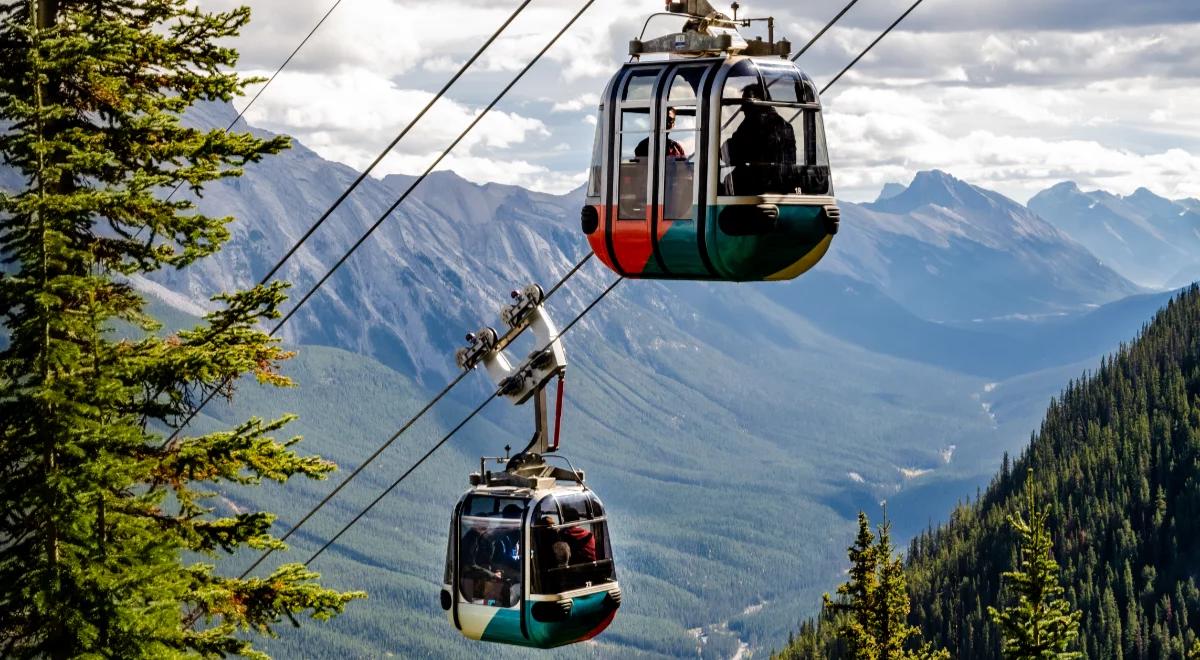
680,251
589,615
800,236
505,627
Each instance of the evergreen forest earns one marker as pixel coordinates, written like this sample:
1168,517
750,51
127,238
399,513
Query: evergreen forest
1116,463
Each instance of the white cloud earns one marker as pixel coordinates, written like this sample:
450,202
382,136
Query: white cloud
584,102
877,136
1097,99
349,118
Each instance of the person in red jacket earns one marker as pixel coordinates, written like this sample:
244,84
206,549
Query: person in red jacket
580,538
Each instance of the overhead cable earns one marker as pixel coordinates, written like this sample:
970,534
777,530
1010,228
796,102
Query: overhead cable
284,65
270,80
494,394
392,145
449,435
403,428
383,217
868,48
823,30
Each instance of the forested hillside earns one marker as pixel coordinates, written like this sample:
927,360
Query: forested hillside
1118,456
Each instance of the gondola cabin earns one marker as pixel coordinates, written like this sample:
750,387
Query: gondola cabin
710,168
530,566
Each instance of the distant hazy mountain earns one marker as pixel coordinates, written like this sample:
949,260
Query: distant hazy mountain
942,249
951,251
1150,239
890,190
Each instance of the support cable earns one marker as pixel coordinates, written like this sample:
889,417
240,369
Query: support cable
392,145
211,395
284,65
823,30
270,80
868,48
429,170
395,436
494,394
447,437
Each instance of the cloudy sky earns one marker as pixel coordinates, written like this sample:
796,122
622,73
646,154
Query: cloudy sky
1013,95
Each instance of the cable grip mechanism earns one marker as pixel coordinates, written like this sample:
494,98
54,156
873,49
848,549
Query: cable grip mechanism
518,380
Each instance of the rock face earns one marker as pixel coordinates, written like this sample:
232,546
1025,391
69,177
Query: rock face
951,251
1151,240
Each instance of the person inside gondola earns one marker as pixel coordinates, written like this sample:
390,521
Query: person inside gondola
475,550
488,573
579,537
562,554
674,149
762,149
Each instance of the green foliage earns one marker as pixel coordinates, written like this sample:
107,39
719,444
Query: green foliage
1040,623
1118,456
102,517
869,618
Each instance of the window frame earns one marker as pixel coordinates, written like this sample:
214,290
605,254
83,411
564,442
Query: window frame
619,108
538,572
700,134
520,524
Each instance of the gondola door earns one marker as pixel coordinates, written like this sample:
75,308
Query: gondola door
678,172
489,568
630,220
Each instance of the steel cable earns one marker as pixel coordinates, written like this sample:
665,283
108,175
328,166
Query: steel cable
823,30
212,394
270,80
407,425
868,48
392,145
449,435
494,394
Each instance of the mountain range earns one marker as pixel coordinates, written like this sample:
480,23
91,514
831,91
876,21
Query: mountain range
1151,240
732,430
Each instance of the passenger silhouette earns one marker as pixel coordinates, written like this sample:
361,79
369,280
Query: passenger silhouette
762,150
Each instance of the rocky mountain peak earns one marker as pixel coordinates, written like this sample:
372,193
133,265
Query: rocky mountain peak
938,188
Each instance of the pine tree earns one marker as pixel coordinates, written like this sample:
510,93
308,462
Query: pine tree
856,624
868,620
1040,622
102,517
891,606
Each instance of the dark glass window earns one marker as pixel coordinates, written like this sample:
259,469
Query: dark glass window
489,550
743,82
448,576
640,85
679,139
685,85
489,506
782,82
490,561
774,143
574,552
